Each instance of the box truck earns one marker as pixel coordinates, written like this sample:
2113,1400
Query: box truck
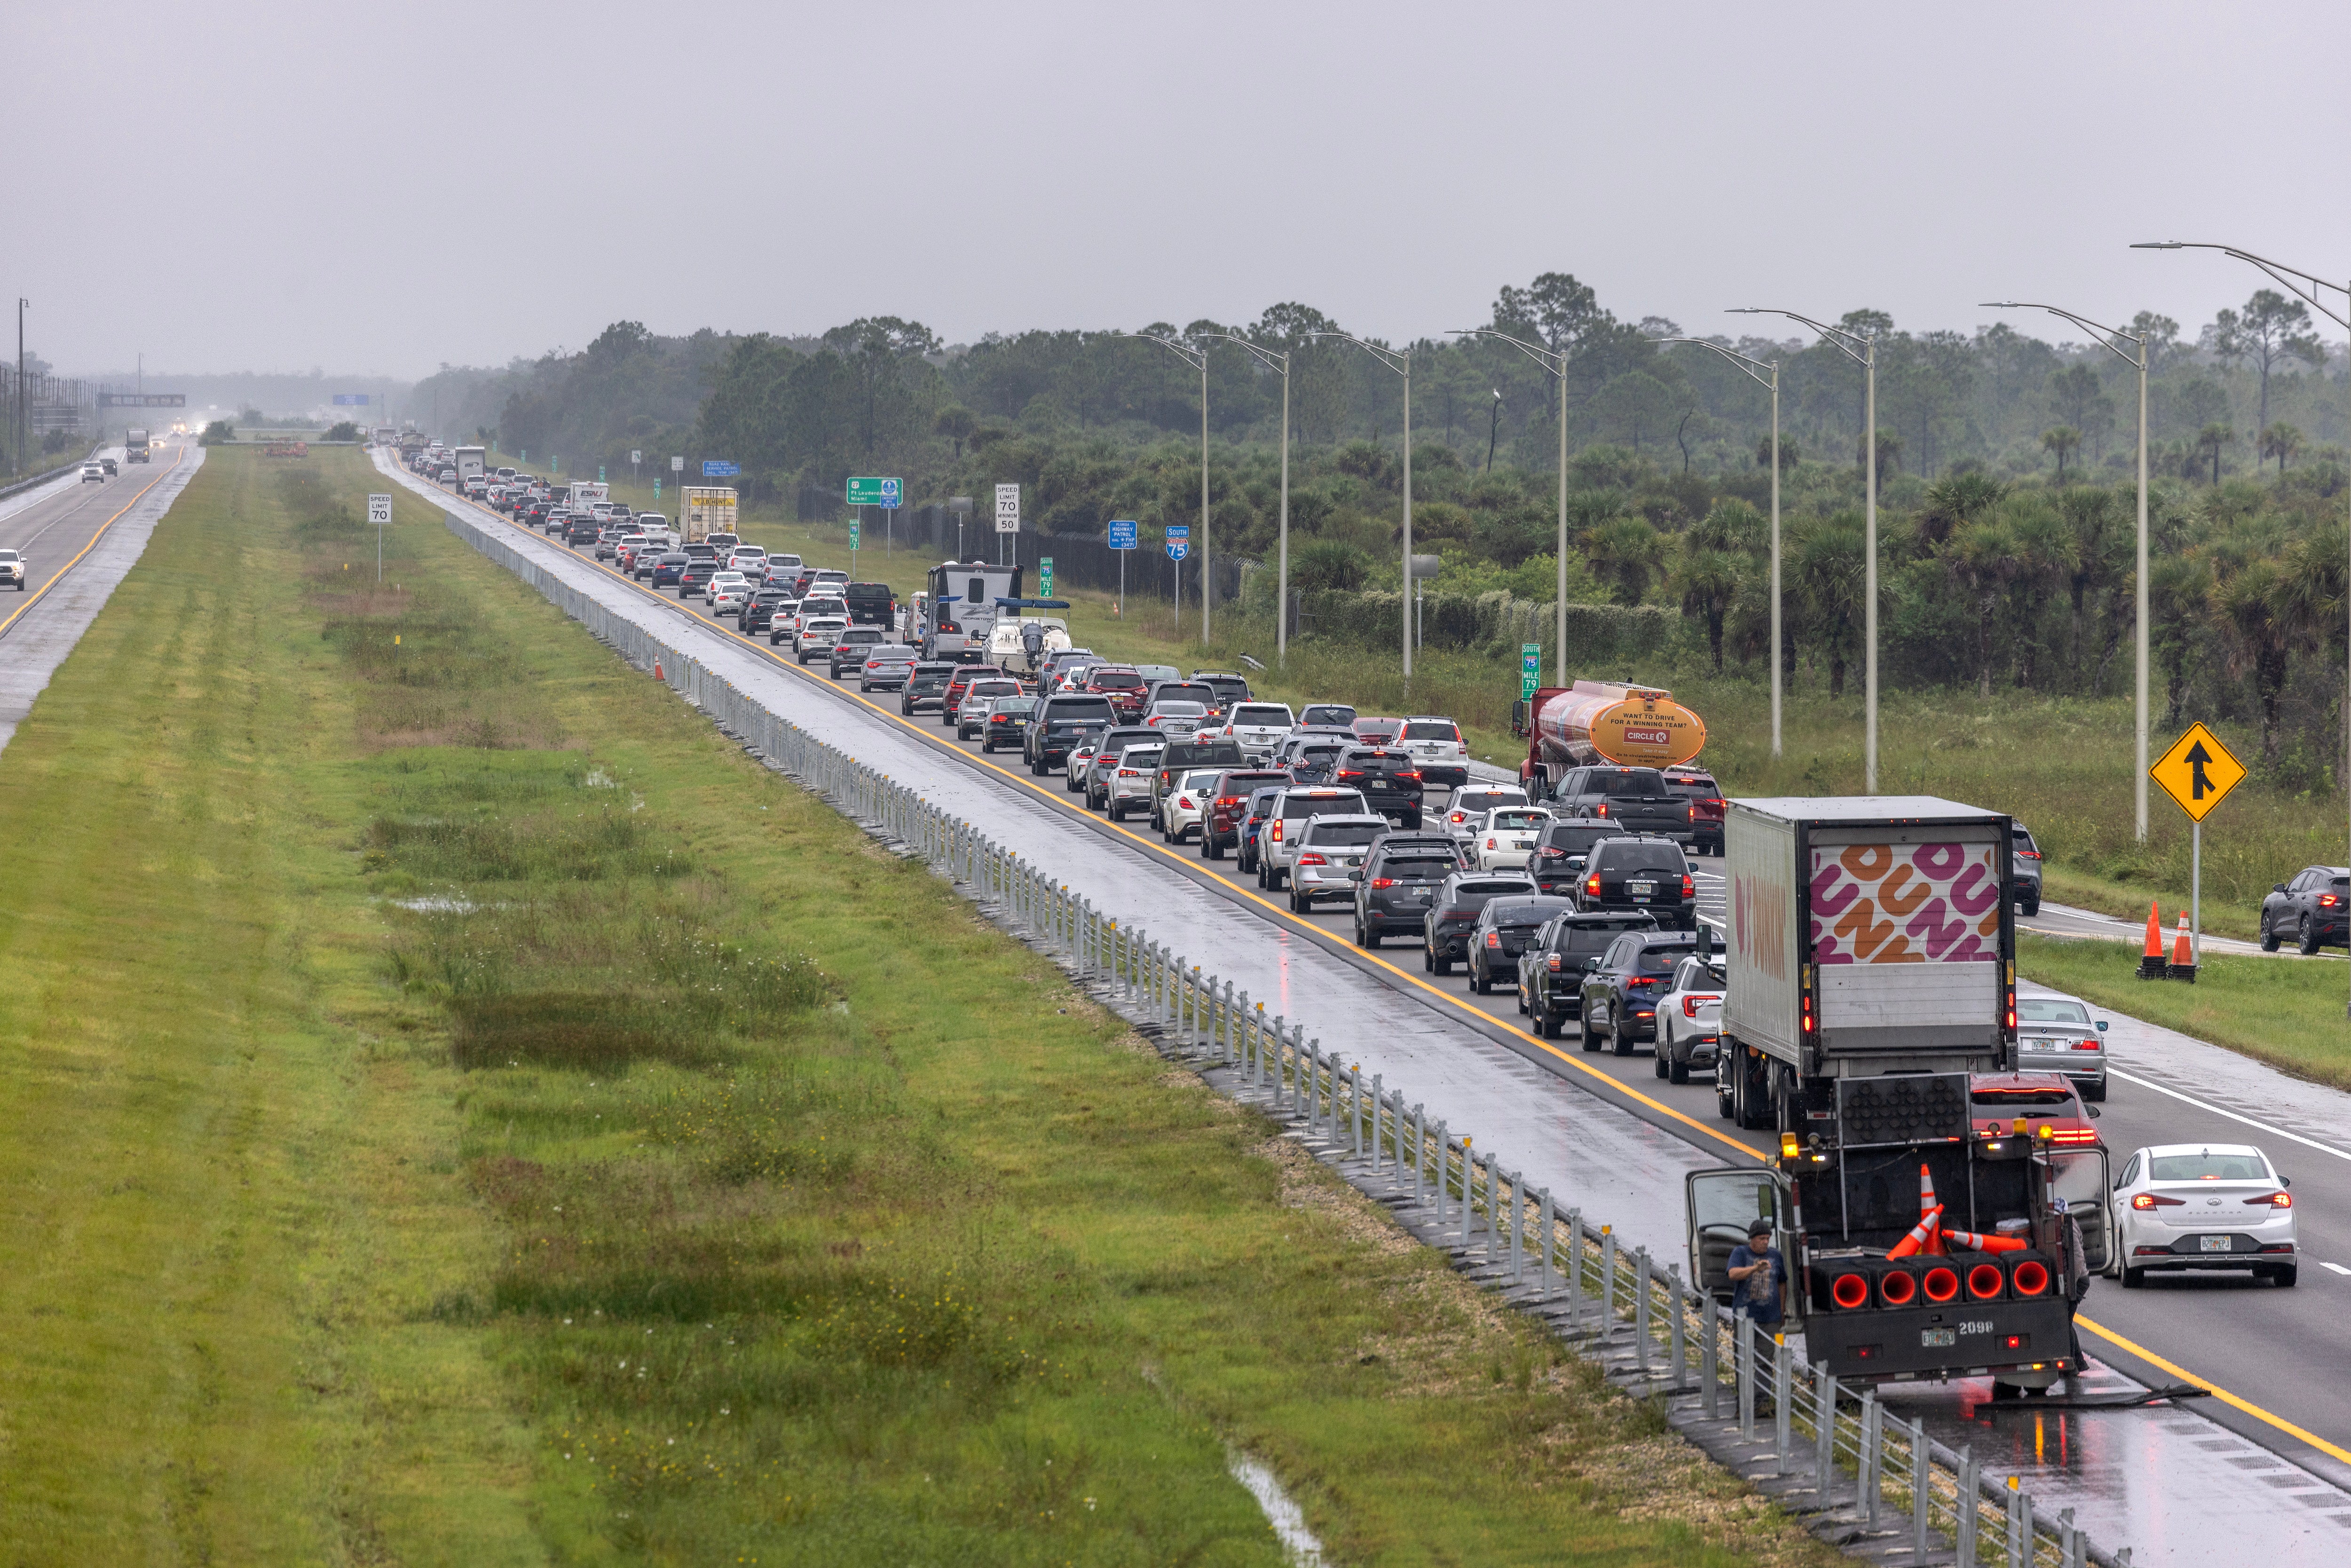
472,463
1869,974
704,510
135,446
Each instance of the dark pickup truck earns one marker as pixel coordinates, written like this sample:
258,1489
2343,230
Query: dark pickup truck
1636,799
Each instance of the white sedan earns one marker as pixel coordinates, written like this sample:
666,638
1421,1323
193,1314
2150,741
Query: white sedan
1506,839
2183,1207
1187,803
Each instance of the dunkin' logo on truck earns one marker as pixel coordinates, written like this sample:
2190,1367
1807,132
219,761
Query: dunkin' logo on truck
1905,904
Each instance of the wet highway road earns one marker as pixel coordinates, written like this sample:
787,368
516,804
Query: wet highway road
1603,1132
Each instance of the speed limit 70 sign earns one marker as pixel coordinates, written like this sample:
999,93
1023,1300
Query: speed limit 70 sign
379,511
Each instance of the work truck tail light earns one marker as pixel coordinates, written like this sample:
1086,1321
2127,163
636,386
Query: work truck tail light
1850,1291
2029,1278
1941,1285
1985,1281
1898,1287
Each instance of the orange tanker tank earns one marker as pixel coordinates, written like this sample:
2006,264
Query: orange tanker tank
1601,721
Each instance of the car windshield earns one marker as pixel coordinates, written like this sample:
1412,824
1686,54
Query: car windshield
1253,714
2049,1009
1426,730
1328,713
2021,1096
1346,835
2206,1166
1425,867
1626,781
1523,912
1518,820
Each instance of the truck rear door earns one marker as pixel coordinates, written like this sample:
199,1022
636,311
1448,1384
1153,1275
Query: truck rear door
2078,1187
1718,1206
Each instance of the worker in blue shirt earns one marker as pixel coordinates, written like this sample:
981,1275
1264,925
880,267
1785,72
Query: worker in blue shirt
1759,1276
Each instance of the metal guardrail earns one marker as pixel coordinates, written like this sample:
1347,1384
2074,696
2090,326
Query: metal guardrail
1662,1337
59,472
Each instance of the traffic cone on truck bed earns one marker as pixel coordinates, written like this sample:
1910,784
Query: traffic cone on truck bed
2183,954
2151,966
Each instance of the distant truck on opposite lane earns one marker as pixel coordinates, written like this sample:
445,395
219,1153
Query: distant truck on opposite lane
135,446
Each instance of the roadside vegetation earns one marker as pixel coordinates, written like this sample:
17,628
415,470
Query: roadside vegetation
498,1122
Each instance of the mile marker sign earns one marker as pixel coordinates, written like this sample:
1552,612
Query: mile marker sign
2197,771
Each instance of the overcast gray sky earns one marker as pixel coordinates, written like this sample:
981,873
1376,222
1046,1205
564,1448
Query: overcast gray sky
268,186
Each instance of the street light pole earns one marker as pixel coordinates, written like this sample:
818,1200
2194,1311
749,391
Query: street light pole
1280,364
1198,358
1861,347
2106,336
2306,285
1400,361
1554,363
1768,375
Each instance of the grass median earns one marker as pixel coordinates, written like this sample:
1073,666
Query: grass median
483,1117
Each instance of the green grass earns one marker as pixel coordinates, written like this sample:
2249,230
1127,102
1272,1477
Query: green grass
2287,1013
482,1117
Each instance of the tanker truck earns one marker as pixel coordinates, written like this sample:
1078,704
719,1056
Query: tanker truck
1602,749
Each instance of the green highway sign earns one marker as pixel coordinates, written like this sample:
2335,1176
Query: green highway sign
876,492
1530,669
1045,578
852,533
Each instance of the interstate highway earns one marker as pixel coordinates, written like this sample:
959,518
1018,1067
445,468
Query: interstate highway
2280,1353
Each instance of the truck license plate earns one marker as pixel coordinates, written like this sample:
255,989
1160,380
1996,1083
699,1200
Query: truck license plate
1932,1339
1640,889
2218,1243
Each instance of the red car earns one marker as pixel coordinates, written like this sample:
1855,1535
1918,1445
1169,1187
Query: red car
1122,685
1221,825
1998,1100
1707,809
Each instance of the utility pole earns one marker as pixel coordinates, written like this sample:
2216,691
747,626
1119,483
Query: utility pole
1400,361
1191,354
21,304
1280,364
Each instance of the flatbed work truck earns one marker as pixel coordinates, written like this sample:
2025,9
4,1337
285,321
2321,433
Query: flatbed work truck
1870,974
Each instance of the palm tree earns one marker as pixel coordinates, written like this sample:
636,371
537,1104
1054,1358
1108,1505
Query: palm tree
1624,552
2263,605
1984,556
2061,440
2180,588
2046,549
1708,582
1827,564
2210,440
1955,500
2281,441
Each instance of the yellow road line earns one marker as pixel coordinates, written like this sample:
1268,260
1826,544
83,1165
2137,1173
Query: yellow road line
1446,998
55,577
2223,1395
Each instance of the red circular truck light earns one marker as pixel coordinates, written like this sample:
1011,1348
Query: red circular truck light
1849,1290
1985,1281
2031,1278
1940,1284
1898,1288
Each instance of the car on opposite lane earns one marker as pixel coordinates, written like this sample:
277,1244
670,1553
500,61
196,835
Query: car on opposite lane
12,568
2024,870
2314,909
2187,1208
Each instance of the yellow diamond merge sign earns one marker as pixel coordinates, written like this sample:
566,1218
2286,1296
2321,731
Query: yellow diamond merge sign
2197,771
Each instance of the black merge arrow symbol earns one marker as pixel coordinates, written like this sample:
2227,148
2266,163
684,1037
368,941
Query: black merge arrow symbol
2197,783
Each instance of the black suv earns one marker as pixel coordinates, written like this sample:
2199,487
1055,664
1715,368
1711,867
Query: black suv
695,577
2311,909
1389,780
1445,934
1058,722
1401,876
1640,873
1552,969
760,613
1622,987
1557,860
1504,929
926,686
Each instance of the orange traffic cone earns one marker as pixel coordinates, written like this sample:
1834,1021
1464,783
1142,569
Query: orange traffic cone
657,675
1969,1241
1927,1225
2183,956
1927,1201
2150,966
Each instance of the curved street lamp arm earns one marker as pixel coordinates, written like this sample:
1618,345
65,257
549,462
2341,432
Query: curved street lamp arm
1195,358
2084,323
1388,357
1551,360
1836,337
1752,368
2277,270
1279,362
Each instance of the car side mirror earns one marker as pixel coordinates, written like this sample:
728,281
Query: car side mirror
2278,888
2285,1181
2093,1109
1593,961
2102,1025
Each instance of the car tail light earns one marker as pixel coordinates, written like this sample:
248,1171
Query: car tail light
1640,979
1718,805
1130,773
1551,962
2274,1199
1985,1281
1411,773
1600,809
1381,882
1229,800
1849,1290
1311,858
1346,774
1458,817
1551,855
2073,1136
1690,1005
1493,939
1689,888
2329,900
1277,830
2089,1042
2147,1200
1185,802
1941,1285
1591,885
2027,854
1490,843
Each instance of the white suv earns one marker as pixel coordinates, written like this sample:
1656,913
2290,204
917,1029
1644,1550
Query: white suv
1328,858
1258,727
1285,825
817,635
1180,813
1130,781
1436,744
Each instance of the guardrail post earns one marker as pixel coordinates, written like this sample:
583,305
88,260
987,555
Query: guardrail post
1608,1284
1442,1195
1675,1332
1469,1195
1963,1537
1922,1491
1518,1227
2020,1523
1379,1104
1868,1460
1783,1403
1825,1422
2069,1540
1543,1265
1575,1267
1420,1150
1641,1310
1356,1108
1742,1356
1709,1354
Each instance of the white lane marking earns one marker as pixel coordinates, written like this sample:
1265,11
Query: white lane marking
2232,1116
2336,1266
